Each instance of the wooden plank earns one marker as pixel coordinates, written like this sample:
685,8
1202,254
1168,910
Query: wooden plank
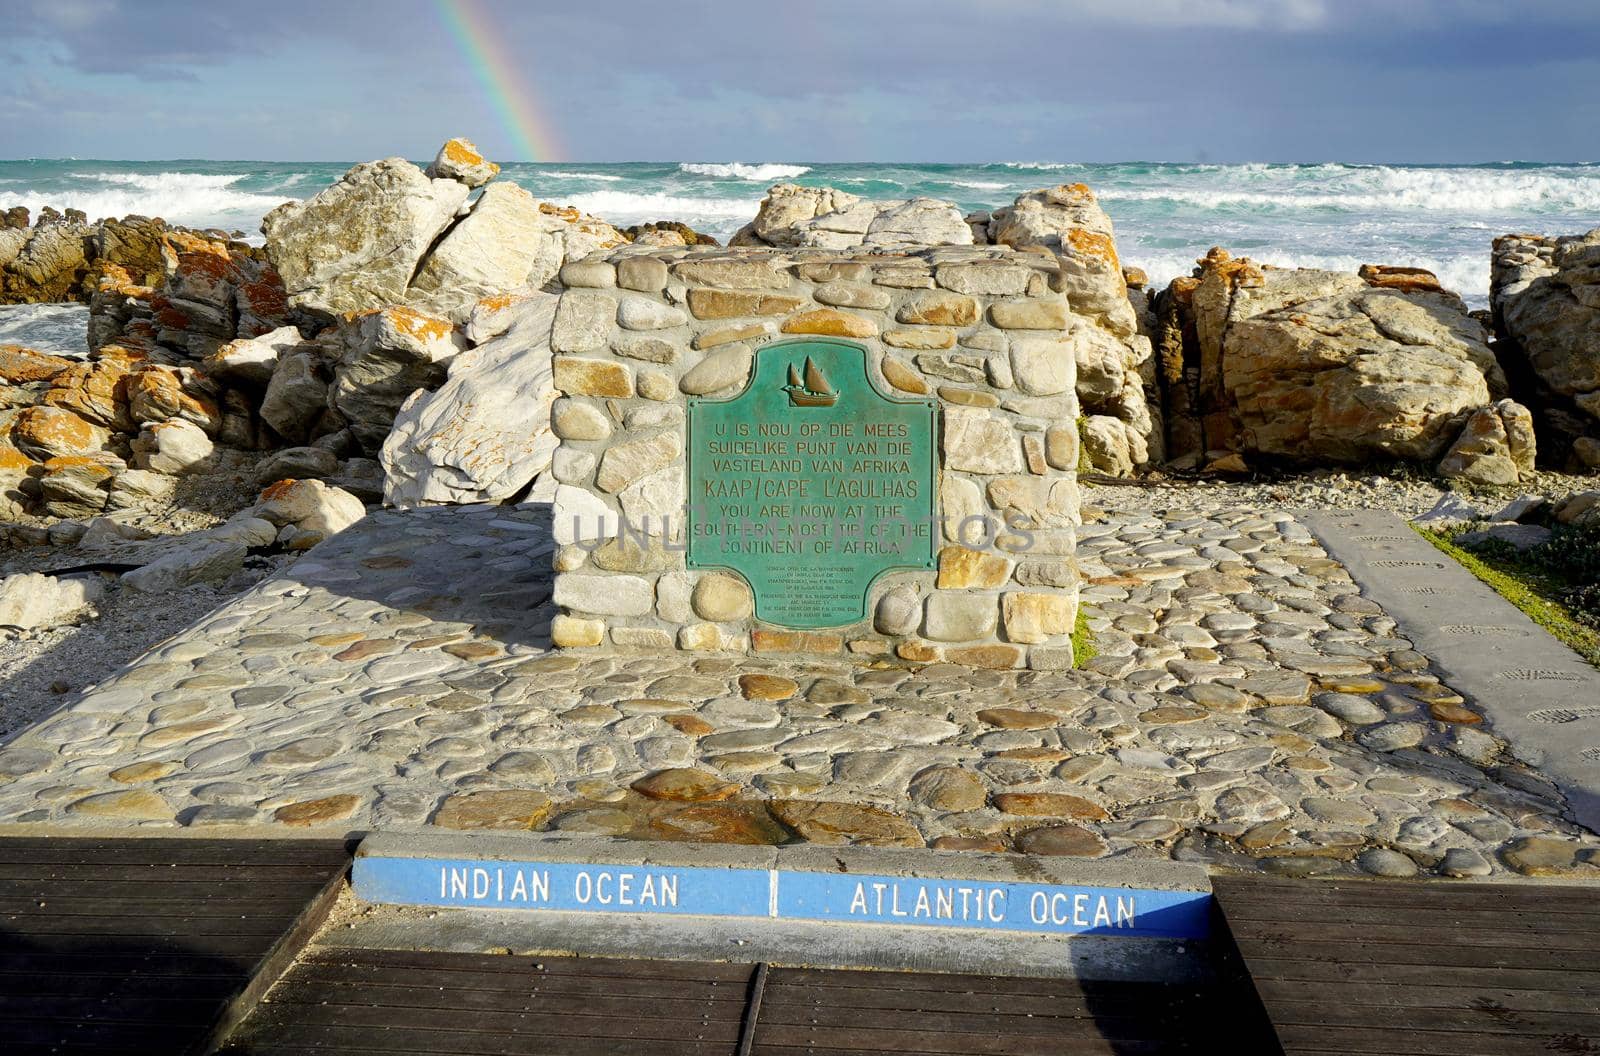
129,985
105,947
519,982
276,959
1064,1046
427,1025
69,850
939,982
1317,1011
1454,995
1542,979
155,874
141,927
664,1005
1509,916
327,1039
1420,969
909,1039
583,967
1418,935
166,890
1242,890
1344,1041
1339,949
890,1000
241,904
1122,1023
176,1006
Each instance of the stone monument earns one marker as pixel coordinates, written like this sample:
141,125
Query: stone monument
817,452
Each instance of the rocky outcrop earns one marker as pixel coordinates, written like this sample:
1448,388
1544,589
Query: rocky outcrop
387,355
29,601
1545,302
504,243
825,218
1115,367
1305,366
62,257
1116,379
485,433
1496,447
355,246
389,233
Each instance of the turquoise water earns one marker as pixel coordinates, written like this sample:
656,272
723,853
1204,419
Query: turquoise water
1324,215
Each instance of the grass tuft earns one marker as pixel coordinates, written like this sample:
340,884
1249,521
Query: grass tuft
1531,588
1083,649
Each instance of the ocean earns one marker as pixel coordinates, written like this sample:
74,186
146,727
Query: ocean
1328,215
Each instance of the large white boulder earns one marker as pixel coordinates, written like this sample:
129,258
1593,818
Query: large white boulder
485,433
505,243
387,355
355,246
30,601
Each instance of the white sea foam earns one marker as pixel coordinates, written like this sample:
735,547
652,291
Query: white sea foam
978,185
714,216
191,199
1465,273
735,170
1043,166
60,329
1383,189
598,176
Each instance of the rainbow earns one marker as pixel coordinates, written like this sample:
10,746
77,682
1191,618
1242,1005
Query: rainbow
471,25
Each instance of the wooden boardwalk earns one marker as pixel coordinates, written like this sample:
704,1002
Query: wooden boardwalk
155,946
184,946
1391,968
340,1001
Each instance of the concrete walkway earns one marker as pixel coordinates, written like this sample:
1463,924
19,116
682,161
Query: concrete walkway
1539,695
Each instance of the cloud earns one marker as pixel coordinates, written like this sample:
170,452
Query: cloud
1290,15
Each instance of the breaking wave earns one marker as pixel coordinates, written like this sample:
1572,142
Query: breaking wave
1380,189
187,198
600,177
713,216
735,170
1466,273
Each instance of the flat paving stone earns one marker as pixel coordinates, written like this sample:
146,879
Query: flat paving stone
1252,706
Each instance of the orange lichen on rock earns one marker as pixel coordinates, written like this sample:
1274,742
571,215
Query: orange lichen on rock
1182,289
1093,244
458,151
12,460
194,254
114,279
1239,271
51,430
19,365
265,295
277,489
413,323
1406,280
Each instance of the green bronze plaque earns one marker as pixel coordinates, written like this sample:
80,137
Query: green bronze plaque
810,483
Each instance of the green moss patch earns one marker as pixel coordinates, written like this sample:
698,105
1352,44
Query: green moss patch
1083,649
1528,584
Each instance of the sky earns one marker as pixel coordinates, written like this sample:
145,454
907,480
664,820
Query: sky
815,81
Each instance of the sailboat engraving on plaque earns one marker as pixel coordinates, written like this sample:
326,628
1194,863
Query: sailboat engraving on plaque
813,391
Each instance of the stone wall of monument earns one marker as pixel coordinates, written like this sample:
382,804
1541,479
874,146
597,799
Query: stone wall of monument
973,347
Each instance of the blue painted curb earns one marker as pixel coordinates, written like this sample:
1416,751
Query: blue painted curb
783,895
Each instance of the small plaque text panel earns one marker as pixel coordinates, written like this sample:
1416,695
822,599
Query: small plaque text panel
810,483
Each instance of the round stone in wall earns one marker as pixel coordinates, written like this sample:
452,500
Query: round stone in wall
899,611
719,597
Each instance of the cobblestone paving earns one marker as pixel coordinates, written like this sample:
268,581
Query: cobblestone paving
1248,708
